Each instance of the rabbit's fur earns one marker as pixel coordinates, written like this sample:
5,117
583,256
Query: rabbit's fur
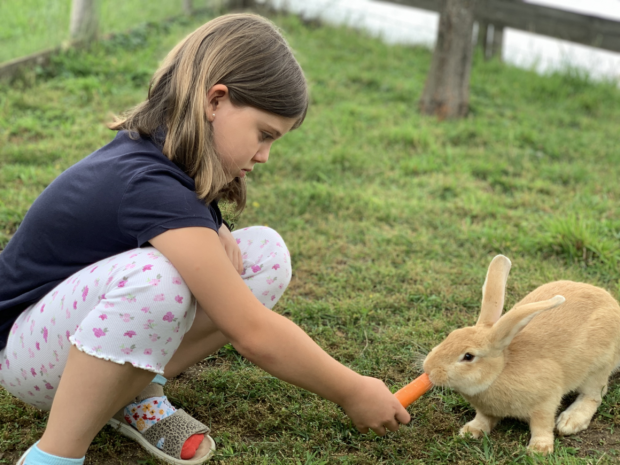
562,337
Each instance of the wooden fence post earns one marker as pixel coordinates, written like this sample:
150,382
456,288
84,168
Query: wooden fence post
491,39
240,4
84,20
188,7
483,35
497,43
446,93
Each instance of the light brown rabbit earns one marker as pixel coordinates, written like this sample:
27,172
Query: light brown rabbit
562,337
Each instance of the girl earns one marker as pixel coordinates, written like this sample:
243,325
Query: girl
122,273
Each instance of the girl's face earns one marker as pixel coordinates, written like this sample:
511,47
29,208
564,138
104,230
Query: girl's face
243,135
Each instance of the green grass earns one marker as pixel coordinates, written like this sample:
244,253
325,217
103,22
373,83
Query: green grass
391,219
29,26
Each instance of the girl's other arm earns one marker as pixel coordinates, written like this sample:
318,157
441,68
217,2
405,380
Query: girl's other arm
270,340
231,247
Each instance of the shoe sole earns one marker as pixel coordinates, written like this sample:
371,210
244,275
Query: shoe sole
22,459
134,434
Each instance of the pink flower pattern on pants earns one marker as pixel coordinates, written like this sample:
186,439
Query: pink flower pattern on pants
118,315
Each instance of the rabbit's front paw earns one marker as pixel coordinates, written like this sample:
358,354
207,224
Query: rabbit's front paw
573,421
473,429
542,445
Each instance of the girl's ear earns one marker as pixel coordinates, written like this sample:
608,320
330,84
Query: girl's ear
515,320
493,291
215,95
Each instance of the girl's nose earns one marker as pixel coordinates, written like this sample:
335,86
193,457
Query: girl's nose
262,155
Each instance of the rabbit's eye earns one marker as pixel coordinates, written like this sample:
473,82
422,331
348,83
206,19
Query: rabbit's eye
468,357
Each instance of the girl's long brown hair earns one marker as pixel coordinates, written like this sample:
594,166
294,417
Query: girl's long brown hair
246,53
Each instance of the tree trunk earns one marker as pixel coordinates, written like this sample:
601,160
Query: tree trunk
446,94
84,20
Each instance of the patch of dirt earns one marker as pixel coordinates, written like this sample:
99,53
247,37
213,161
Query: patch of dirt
603,434
599,437
192,372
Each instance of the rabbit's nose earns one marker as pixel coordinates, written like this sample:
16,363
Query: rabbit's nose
438,376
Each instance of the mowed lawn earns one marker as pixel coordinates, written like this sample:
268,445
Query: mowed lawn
391,219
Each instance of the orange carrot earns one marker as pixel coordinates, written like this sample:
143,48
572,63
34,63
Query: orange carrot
414,390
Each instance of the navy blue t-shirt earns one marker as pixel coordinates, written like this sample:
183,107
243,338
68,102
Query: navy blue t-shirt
116,199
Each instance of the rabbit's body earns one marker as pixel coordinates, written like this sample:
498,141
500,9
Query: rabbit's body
522,369
589,342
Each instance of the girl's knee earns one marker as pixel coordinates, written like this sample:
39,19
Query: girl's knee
277,254
266,261
264,252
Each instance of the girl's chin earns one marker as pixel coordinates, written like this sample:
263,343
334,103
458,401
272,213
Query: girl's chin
236,176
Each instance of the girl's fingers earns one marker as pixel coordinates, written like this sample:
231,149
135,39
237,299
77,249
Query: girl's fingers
234,255
380,430
393,426
403,416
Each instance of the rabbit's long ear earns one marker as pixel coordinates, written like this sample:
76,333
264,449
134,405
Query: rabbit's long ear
493,291
515,320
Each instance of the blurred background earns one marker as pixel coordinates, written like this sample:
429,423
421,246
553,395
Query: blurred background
403,24
29,26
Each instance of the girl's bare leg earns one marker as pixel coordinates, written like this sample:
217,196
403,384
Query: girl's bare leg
202,340
199,342
91,390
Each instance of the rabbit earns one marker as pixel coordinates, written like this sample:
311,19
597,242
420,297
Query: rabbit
562,337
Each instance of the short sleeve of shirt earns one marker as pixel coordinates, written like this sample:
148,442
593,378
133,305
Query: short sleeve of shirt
158,200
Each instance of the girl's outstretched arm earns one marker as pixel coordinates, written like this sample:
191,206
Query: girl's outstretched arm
270,340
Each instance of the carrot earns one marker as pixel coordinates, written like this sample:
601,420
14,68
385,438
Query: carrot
414,390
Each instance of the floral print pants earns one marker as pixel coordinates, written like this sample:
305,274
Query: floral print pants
133,308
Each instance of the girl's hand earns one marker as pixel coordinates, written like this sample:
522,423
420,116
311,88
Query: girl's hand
372,406
232,249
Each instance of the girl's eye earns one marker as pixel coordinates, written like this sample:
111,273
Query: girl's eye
467,357
265,136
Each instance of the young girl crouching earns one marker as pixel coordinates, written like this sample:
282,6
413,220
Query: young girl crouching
123,274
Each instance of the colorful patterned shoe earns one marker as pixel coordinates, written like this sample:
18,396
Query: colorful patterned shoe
166,437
